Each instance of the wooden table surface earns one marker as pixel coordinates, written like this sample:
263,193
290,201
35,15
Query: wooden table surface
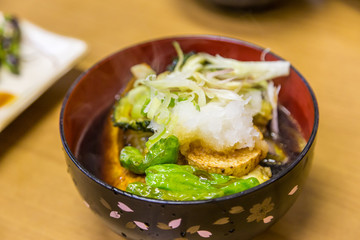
320,38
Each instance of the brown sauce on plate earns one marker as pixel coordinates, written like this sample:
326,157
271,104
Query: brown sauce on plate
6,98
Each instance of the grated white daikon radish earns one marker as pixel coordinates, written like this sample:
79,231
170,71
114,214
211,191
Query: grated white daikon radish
218,126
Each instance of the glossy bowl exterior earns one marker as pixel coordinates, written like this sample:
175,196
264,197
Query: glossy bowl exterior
238,216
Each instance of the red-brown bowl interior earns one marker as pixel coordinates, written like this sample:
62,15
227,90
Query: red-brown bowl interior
96,89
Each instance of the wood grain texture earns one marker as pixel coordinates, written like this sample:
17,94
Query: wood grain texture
321,38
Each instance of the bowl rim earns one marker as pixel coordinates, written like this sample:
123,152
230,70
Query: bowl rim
117,191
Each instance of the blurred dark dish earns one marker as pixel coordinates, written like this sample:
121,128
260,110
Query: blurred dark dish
247,4
238,216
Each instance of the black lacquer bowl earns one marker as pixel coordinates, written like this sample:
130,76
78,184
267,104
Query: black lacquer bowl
238,216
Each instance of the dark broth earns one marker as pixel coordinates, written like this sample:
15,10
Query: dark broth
89,153
290,139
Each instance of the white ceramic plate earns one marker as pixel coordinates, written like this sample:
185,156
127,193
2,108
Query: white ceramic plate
45,57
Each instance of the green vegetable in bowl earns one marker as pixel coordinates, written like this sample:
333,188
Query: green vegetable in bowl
185,182
128,111
144,190
207,109
164,151
239,185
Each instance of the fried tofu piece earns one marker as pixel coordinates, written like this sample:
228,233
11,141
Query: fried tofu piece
238,162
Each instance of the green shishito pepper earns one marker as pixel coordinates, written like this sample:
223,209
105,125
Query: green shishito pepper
184,183
163,151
